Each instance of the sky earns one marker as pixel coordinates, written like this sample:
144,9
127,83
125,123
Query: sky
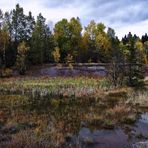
122,15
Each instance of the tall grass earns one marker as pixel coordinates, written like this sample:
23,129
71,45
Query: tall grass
139,98
67,87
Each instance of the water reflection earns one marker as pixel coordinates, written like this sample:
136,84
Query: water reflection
65,123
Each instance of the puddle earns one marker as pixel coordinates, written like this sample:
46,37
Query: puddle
118,138
103,139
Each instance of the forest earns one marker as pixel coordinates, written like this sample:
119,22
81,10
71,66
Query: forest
81,109
25,41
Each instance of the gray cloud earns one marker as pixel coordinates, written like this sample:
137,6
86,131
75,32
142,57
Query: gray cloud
123,15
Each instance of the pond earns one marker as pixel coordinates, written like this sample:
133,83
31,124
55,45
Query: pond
68,122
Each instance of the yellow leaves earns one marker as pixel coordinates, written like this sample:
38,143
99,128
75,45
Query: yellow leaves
102,42
21,57
56,54
4,39
96,33
139,45
22,48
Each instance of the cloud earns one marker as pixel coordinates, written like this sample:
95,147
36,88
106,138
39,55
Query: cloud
139,28
122,15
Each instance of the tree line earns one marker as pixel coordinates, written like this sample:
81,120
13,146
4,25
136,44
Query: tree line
26,41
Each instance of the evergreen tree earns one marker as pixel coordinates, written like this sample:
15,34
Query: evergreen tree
42,43
134,62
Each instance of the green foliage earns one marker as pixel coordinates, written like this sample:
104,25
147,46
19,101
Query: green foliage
134,61
97,41
68,37
41,42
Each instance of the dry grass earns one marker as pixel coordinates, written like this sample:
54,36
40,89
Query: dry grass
119,111
138,98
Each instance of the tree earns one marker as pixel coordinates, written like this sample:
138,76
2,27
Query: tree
62,37
141,52
21,62
98,44
30,23
1,18
134,70
83,54
4,41
116,57
21,28
144,38
75,38
68,37
42,42
146,50
18,24
56,54
90,37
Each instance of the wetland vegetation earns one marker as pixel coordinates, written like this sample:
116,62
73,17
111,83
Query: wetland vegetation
71,86
66,112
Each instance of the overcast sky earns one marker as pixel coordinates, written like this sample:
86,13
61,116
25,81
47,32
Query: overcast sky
122,15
